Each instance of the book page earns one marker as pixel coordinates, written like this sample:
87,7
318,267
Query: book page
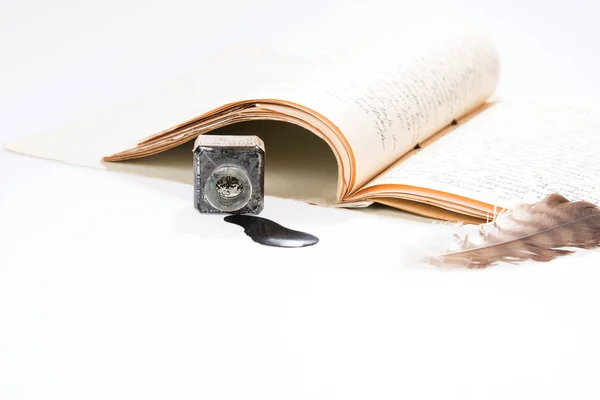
394,94
293,151
372,104
514,151
383,99
222,79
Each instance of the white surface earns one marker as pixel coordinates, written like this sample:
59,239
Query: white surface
113,287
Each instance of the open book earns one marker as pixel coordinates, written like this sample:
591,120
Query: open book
410,123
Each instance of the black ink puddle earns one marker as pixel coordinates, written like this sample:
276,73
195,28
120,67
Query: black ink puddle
269,233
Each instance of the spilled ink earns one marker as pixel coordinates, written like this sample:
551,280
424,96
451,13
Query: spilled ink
269,233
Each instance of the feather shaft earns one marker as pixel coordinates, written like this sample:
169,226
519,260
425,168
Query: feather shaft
541,231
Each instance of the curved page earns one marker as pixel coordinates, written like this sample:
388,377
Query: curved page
376,103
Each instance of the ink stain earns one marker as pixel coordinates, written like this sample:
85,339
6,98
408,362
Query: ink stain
269,233
417,147
454,122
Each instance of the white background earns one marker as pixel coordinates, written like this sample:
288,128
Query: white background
113,287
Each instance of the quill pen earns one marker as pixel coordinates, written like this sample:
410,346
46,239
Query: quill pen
540,231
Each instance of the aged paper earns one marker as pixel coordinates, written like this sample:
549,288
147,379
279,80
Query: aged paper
219,81
371,106
387,98
514,151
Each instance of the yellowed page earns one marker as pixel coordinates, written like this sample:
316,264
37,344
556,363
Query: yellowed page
390,96
238,73
514,151
378,101
221,80
373,104
293,151
429,211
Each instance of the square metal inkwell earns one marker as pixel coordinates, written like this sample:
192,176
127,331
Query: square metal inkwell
229,174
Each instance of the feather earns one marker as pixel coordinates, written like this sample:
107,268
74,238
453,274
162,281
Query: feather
540,231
